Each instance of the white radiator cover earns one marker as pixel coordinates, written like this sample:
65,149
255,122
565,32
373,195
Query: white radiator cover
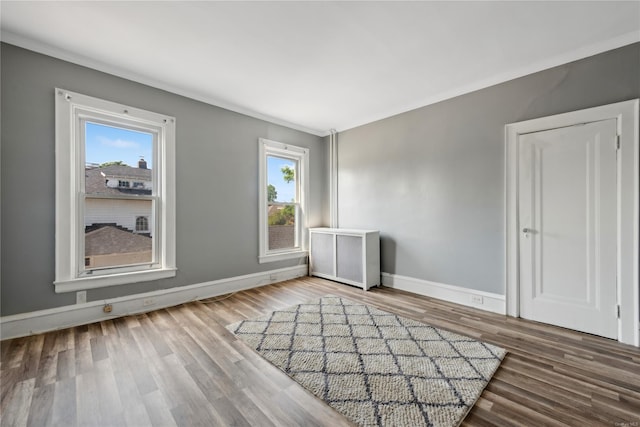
345,255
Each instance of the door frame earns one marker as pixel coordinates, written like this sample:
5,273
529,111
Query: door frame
628,200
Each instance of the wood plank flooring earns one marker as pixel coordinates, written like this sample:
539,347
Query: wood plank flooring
181,367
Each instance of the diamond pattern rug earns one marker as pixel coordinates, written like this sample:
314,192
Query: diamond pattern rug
374,367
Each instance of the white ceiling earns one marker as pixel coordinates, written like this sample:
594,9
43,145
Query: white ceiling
317,66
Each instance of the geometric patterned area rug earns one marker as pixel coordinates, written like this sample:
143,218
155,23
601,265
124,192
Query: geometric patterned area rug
374,367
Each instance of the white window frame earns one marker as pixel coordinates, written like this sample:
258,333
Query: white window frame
301,156
72,110
146,221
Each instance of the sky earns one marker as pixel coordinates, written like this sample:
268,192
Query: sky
286,192
108,144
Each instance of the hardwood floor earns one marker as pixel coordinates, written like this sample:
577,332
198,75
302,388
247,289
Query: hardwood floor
180,366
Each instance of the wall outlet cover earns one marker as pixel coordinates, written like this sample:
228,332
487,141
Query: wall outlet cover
81,297
477,299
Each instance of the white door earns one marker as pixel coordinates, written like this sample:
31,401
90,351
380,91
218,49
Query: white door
568,227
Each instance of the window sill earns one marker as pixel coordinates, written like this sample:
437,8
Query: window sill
281,256
85,283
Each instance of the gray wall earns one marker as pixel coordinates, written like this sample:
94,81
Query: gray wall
217,180
432,179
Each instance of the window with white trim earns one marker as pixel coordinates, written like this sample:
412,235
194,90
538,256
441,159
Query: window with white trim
142,224
98,144
283,193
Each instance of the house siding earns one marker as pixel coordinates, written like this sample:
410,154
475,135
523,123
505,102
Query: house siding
120,212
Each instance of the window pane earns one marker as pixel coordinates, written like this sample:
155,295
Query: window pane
281,179
117,231
117,160
282,226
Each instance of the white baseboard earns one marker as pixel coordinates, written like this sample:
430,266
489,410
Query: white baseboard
23,324
494,303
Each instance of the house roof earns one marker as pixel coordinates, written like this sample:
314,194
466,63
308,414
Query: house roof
123,171
96,178
113,240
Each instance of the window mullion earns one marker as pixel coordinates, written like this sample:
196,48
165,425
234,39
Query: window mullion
122,197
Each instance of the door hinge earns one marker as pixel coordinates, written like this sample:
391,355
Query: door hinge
617,142
618,311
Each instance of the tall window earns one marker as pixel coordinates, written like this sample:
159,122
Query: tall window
283,188
142,223
101,147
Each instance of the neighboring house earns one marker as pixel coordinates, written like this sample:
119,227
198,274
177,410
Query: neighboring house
110,245
118,230
117,180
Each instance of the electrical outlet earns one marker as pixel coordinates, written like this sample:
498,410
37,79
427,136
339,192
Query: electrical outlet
81,297
148,301
477,299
